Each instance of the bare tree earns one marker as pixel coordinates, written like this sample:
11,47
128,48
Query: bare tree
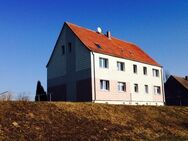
6,96
23,96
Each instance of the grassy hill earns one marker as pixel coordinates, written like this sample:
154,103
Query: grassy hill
88,121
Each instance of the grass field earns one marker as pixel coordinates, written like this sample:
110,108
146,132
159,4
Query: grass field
88,121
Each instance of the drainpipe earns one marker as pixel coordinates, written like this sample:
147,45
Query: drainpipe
130,98
162,85
94,76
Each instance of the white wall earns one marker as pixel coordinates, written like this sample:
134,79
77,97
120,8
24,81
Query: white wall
129,77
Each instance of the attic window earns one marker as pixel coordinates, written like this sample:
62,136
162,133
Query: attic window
63,49
69,46
98,46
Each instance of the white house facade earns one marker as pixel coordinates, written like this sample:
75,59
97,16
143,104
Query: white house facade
89,66
142,87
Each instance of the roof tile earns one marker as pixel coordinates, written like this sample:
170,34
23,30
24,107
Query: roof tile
113,46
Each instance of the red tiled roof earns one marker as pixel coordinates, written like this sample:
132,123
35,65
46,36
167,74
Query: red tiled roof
113,46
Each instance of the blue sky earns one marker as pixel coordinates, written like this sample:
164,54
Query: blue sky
29,30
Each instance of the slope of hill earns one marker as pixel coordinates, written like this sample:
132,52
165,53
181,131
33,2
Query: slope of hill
88,121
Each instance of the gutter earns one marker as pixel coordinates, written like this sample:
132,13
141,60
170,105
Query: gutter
94,76
162,85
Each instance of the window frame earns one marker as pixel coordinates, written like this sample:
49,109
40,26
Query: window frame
103,63
146,89
104,85
63,49
157,90
136,88
120,85
69,47
135,69
145,71
155,72
120,66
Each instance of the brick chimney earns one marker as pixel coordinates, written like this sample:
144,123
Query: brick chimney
186,77
108,34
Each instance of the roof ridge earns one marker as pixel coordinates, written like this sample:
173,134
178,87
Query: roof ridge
101,33
178,76
83,27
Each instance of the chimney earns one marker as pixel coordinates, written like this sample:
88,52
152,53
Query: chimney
108,34
186,77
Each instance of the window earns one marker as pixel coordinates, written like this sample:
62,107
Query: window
70,47
120,66
98,46
136,87
63,49
104,85
157,90
121,86
103,63
145,70
135,68
155,73
146,88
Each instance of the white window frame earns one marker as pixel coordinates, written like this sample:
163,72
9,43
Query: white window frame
135,69
155,72
145,71
103,62
157,90
136,88
120,66
146,89
105,85
121,87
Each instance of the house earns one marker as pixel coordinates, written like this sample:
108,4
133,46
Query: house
176,90
88,65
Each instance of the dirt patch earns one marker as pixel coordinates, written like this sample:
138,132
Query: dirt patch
88,121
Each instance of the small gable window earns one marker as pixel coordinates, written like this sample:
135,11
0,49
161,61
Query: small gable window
63,49
69,47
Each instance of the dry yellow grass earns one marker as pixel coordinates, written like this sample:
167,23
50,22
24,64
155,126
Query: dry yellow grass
88,121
